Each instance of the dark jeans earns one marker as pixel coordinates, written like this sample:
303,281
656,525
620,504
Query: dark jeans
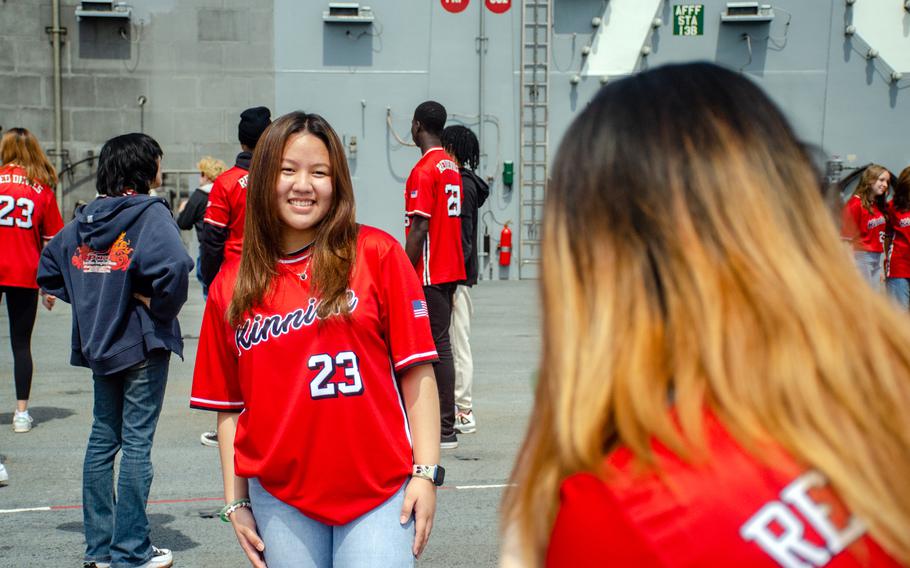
439,306
22,307
127,406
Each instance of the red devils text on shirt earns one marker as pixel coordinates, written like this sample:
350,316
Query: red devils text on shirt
899,252
864,229
733,510
28,217
433,191
227,206
323,425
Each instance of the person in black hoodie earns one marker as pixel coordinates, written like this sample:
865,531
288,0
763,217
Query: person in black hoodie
122,267
461,143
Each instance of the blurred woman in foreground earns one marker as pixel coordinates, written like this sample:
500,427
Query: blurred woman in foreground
713,390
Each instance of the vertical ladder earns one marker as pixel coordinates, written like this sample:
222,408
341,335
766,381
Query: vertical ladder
536,16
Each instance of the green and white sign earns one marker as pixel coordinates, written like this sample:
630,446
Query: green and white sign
689,19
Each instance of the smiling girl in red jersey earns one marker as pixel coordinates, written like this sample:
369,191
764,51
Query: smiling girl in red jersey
863,222
897,240
28,219
317,355
713,388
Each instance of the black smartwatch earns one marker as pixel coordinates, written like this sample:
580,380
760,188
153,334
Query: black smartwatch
434,473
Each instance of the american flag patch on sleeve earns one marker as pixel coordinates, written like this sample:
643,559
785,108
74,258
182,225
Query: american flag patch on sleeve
420,309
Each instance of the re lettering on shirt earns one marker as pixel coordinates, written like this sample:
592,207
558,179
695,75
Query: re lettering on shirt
779,532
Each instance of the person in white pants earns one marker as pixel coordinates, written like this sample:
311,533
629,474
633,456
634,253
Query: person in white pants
463,146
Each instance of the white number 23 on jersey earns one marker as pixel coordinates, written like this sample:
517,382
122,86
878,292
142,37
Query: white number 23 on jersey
453,191
8,203
322,386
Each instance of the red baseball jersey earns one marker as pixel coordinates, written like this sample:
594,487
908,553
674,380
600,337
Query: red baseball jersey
865,230
28,217
731,510
323,426
433,191
227,207
899,252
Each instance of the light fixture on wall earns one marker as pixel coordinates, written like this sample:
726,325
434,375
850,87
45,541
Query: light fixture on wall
896,76
851,2
850,30
604,79
576,79
646,50
657,22
872,53
586,51
595,22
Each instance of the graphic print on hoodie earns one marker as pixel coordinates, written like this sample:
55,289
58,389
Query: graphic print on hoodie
118,246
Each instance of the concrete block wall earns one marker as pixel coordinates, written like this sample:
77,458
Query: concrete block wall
198,63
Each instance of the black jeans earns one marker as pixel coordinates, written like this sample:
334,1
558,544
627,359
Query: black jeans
439,306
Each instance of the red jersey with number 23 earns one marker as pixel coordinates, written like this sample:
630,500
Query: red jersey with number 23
323,426
227,207
28,217
865,230
731,510
433,191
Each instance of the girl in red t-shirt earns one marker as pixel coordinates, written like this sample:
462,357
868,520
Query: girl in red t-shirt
897,242
863,222
714,388
29,217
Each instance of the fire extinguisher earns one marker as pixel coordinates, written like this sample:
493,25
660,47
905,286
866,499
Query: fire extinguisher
505,246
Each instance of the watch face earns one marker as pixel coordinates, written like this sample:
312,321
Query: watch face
440,475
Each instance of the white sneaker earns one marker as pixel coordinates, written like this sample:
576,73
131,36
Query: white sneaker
209,439
22,421
161,558
4,477
464,422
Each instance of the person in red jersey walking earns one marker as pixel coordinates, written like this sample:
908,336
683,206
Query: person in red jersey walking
897,242
433,202
316,353
221,238
29,217
713,390
863,222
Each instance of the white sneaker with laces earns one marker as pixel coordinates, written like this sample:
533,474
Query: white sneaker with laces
161,558
464,422
4,477
22,421
209,439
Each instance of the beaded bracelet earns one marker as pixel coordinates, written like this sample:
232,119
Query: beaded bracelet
226,511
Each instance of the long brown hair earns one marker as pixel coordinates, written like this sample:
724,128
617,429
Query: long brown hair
902,191
701,268
864,188
20,146
336,237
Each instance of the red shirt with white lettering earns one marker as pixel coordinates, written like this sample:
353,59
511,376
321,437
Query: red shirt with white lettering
433,191
732,510
864,229
899,252
323,426
227,207
28,217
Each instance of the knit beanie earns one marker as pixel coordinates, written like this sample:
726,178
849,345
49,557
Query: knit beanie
253,122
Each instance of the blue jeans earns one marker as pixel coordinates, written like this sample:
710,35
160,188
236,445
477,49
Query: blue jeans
127,406
375,539
899,289
870,266
205,289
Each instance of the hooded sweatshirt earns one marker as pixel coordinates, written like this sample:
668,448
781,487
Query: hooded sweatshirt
474,193
115,247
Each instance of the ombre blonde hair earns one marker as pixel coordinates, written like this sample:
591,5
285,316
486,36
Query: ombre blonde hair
211,167
689,259
19,146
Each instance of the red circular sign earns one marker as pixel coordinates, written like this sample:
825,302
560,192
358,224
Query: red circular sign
498,6
454,6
